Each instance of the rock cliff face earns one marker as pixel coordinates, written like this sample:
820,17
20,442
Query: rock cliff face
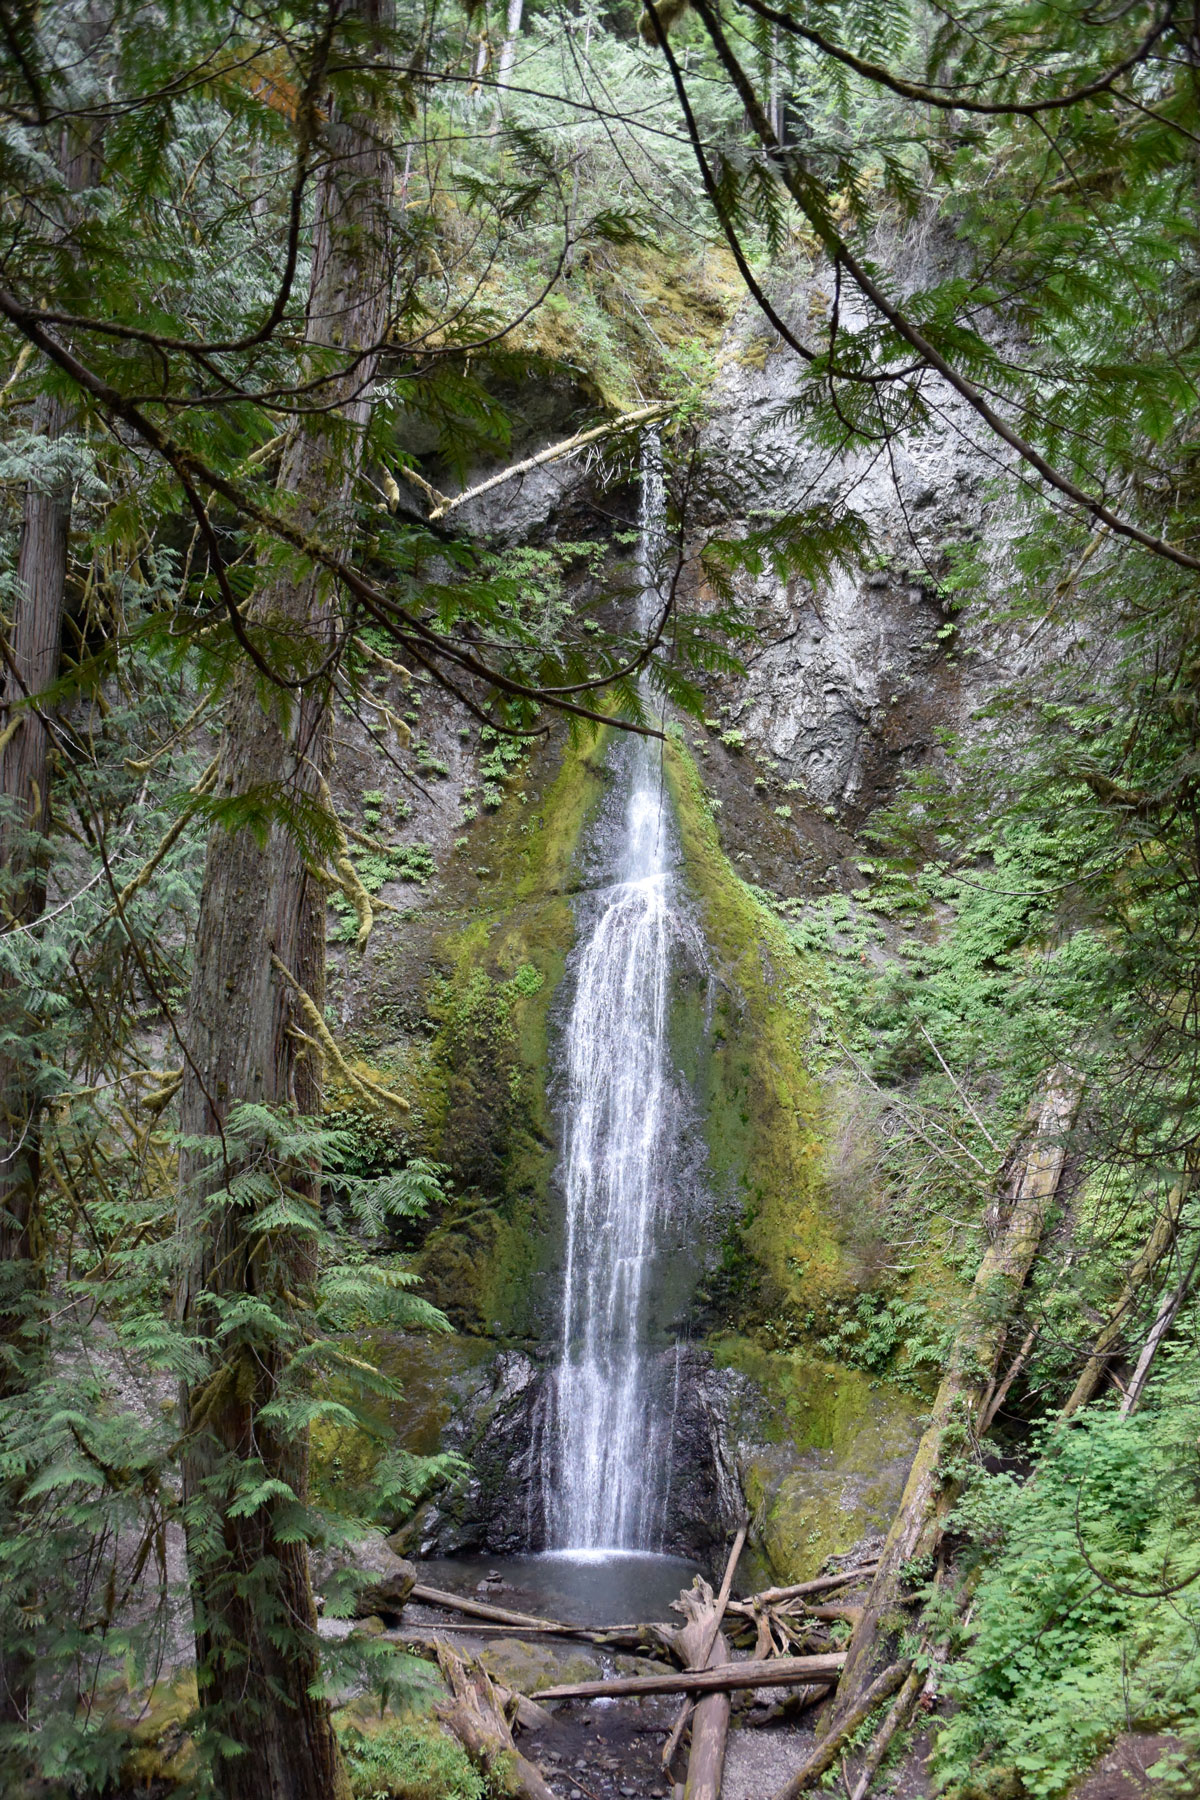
846,688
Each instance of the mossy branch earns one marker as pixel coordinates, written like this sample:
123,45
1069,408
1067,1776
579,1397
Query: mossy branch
206,782
365,1086
348,875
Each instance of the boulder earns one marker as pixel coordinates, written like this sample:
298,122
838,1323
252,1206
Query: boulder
365,1578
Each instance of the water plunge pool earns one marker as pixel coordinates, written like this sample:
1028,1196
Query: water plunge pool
591,1587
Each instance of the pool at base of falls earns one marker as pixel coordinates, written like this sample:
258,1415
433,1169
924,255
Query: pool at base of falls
576,1587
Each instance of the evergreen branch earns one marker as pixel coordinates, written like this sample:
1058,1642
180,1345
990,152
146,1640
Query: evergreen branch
802,191
950,101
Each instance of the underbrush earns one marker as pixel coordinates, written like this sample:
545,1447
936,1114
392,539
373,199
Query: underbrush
1086,1613
409,1760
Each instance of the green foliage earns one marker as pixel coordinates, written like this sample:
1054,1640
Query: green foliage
1085,1618
414,1760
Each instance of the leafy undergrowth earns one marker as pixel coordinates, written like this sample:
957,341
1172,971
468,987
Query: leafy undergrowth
409,1760
1086,1617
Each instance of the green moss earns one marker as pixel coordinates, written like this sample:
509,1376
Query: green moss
832,1449
481,1082
766,1114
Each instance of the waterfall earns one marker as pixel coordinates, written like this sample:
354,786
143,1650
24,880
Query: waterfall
607,1461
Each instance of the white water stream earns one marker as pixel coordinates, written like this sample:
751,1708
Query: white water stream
606,1469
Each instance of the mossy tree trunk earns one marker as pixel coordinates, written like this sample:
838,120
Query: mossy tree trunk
262,913
932,1487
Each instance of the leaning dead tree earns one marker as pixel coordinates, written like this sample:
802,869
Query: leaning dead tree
1111,1337
930,1491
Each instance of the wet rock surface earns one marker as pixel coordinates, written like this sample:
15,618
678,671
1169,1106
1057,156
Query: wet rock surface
499,1428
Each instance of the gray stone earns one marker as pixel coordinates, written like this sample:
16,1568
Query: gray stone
337,1577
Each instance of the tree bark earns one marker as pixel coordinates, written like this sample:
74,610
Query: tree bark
929,1493
260,913
31,665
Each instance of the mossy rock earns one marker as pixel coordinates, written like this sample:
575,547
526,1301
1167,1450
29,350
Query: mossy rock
528,1668
765,1112
824,1453
163,1753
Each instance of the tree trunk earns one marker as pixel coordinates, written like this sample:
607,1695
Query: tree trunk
929,1493
24,789
256,1627
32,664
508,50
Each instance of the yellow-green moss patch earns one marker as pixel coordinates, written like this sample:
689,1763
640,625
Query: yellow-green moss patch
765,1112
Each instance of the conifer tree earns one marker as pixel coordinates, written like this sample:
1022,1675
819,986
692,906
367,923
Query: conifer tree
260,941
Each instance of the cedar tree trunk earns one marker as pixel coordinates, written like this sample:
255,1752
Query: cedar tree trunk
256,1628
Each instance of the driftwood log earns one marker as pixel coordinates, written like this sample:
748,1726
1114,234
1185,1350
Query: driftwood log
777,1671
475,1714
821,1584
641,1637
699,1645
703,1654
974,1360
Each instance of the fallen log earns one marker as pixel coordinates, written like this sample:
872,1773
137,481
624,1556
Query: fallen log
974,1359
898,1712
827,1753
777,1671
820,1584
480,1609
518,1624
707,1645
475,1715
643,1639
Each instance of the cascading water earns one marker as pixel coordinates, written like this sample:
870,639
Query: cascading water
607,1458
